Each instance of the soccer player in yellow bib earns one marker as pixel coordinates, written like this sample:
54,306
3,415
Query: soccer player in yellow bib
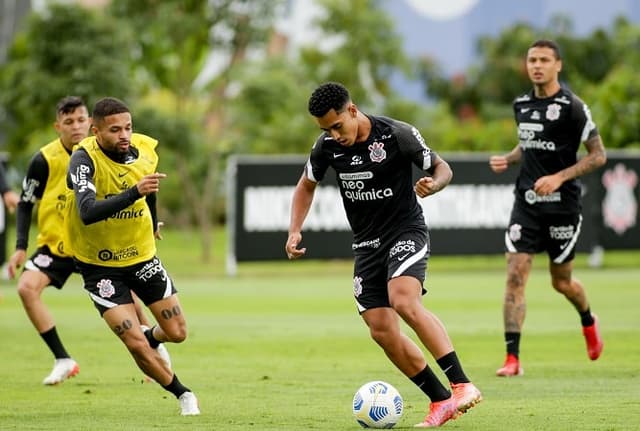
50,265
112,184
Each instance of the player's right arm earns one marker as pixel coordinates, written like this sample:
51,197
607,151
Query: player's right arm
33,186
300,204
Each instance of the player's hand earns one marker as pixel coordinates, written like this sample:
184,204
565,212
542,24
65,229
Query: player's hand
426,186
11,200
293,252
150,183
15,262
548,184
498,164
157,233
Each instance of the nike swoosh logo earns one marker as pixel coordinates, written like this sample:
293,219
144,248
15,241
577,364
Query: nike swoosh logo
122,174
401,258
335,156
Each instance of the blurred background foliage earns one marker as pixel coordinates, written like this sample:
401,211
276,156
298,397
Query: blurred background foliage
210,78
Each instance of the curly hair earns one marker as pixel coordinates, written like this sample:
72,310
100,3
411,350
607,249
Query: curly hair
330,95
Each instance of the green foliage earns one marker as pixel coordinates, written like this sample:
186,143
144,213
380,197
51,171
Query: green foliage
175,135
368,50
171,42
616,108
66,51
595,67
269,114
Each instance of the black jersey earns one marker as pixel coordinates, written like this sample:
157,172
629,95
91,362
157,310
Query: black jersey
375,177
550,132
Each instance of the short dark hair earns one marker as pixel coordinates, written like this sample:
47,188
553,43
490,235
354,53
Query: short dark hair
546,43
69,104
108,106
328,96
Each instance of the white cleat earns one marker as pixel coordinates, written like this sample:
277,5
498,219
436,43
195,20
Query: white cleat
189,404
62,370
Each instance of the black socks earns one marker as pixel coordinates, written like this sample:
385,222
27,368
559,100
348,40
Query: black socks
430,385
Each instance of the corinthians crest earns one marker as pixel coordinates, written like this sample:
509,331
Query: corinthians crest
553,112
619,206
377,153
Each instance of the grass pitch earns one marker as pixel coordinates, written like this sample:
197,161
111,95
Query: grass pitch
281,347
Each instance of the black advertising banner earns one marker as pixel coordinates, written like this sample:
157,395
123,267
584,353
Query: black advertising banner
468,217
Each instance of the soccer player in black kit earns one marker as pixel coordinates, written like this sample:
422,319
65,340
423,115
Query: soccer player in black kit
373,157
552,123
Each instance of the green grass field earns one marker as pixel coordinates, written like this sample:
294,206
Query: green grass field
280,347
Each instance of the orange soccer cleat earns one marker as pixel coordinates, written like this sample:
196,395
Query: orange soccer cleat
511,367
593,339
466,395
439,413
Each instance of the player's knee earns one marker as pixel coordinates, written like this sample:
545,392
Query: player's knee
561,285
177,334
408,306
139,347
379,336
28,291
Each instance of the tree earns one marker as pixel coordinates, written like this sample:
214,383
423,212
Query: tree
598,67
64,51
176,39
357,46
368,52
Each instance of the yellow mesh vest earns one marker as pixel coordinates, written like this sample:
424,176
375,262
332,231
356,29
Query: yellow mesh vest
125,238
51,206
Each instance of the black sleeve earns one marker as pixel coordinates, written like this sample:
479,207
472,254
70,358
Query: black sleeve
23,223
35,181
413,146
581,116
80,178
151,203
317,164
33,185
4,187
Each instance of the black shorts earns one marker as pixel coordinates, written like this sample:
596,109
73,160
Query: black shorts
378,262
57,268
531,231
109,286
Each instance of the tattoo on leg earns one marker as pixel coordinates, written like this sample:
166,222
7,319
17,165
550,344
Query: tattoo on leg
124,326
168,313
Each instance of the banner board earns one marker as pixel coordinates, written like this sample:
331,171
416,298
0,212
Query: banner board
467,217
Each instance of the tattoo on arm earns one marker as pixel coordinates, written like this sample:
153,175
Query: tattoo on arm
596,157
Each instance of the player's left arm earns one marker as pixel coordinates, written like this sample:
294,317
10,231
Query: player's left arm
152,200
596,154
438,171
441,175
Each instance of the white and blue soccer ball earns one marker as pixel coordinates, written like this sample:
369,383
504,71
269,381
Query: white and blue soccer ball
377,405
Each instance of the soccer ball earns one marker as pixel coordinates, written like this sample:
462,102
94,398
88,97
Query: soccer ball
377,405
